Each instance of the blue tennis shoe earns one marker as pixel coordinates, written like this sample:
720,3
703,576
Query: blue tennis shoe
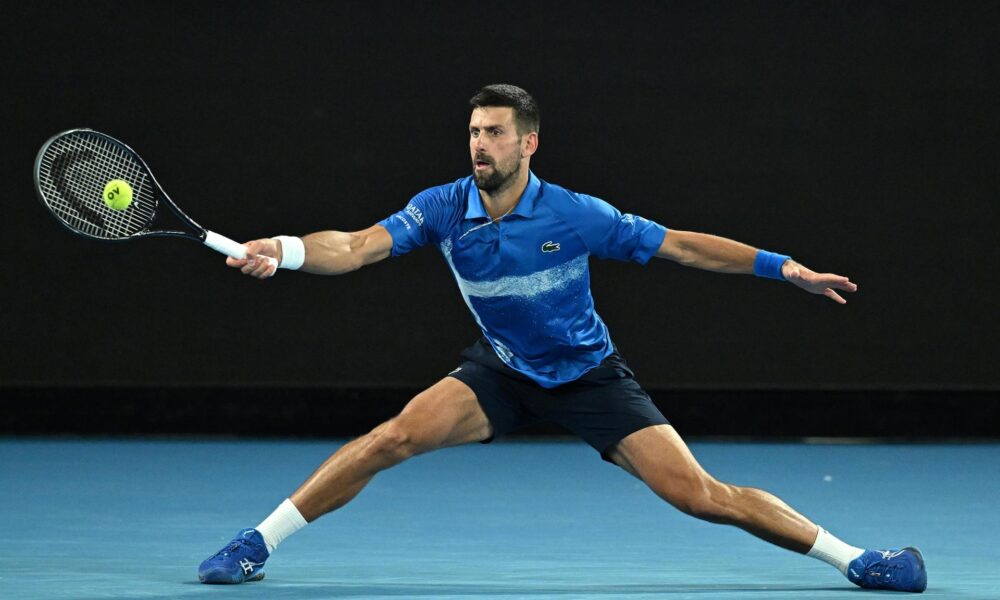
899,570
240,560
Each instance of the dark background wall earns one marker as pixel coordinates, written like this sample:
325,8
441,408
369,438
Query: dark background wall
859,137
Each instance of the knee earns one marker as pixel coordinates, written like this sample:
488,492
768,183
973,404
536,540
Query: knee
395,441
707,499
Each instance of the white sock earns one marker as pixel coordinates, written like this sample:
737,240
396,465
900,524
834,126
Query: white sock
829,549
283,522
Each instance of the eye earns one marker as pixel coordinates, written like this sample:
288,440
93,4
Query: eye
496,132
474,132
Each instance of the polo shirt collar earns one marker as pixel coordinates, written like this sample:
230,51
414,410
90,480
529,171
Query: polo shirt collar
525,207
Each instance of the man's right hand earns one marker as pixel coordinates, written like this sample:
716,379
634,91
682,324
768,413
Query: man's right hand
256,263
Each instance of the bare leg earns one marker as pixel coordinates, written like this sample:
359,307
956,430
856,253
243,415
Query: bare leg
659,457
446,414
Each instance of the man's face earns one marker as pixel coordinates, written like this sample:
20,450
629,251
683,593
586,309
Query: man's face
495,147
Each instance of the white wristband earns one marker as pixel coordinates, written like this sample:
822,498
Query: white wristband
293,252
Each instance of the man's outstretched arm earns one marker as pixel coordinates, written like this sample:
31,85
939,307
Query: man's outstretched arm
713,253
325,252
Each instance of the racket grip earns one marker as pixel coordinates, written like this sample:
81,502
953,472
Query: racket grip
221,243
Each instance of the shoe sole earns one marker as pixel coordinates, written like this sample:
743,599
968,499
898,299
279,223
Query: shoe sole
222,577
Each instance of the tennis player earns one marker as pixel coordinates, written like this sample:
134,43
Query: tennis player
519,249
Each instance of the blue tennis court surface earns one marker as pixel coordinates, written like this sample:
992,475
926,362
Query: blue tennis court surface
536,520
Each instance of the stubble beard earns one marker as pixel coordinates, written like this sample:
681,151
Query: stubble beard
497,180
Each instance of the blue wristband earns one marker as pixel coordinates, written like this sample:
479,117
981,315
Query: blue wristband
768,264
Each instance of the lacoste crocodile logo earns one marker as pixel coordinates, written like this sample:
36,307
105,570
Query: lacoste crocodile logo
550,246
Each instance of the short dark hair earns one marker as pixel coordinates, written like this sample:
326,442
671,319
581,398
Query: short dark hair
526,113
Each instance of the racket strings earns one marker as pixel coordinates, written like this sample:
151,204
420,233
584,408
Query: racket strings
108,163
59,166
72,174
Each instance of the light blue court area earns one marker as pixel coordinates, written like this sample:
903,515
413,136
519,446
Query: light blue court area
534,520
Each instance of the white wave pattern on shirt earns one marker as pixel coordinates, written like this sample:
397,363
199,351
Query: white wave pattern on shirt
520,286
505,353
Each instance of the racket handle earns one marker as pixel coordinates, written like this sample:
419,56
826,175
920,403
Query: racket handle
221,243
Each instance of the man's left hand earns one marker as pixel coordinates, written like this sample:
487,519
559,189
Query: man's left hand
817,283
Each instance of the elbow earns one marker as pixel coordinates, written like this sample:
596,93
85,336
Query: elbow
356,258
347,264
676,247
685,255
355,263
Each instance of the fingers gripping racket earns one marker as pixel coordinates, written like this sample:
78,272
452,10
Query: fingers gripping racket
100,188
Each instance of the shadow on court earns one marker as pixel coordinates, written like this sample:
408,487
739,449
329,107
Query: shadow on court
279,589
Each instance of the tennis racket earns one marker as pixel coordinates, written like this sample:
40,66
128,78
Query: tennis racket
85,177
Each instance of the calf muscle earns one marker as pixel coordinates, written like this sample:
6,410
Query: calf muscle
661,459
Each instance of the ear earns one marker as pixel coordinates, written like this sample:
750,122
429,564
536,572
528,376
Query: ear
529,144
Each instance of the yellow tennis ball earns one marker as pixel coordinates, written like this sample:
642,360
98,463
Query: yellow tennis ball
118,194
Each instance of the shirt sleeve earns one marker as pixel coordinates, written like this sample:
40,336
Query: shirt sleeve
419,223
610,233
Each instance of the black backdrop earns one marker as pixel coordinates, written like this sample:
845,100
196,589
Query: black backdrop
859,137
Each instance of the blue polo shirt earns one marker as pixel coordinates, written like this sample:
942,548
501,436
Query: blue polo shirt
526,277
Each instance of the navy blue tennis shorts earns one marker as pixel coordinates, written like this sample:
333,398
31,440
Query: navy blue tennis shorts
603,406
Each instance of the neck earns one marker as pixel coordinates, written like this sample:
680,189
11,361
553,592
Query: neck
502,201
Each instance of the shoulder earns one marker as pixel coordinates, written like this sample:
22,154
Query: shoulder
445,192
565,202
439,207
446,198
581,211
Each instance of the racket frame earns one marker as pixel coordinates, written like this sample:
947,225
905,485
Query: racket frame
217,242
